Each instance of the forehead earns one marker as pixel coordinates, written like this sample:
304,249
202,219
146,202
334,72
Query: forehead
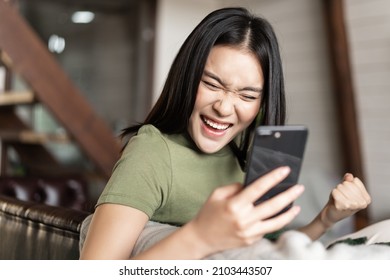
235,65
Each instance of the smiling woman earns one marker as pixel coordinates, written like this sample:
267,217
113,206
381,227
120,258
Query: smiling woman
184,165
220,114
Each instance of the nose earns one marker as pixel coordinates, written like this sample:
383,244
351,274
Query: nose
224,106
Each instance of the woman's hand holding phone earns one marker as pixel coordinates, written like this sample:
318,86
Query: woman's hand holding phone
230,218
275,146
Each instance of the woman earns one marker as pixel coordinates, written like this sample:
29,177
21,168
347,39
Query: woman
184,165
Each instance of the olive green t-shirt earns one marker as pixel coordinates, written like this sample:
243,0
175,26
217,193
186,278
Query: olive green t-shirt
167,177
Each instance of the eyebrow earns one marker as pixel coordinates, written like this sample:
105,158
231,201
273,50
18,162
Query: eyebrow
215,77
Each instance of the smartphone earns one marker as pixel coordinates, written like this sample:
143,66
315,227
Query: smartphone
272,147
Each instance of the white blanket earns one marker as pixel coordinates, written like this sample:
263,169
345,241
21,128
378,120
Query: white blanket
291,245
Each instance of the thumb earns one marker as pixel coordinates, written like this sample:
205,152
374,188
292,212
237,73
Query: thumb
348,177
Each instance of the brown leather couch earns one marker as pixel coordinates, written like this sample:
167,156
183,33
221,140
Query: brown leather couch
40,218
35,231
67,191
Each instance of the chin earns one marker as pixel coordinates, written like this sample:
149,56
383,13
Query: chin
209,151
210,148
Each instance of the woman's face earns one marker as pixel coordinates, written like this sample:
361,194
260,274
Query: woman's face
228,97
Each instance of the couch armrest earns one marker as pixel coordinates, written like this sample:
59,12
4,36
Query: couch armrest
30,230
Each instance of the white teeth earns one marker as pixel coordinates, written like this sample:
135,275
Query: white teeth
216,125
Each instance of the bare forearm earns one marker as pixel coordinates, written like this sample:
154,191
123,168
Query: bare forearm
316,228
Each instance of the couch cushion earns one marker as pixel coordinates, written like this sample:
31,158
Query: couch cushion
69,192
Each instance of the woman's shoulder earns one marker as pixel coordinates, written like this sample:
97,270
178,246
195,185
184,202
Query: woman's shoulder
150,140
149,129
148,137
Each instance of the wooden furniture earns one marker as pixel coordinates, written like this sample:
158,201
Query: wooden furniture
23,54
344,93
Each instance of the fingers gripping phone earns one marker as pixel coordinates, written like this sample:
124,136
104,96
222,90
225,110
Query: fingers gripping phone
272,147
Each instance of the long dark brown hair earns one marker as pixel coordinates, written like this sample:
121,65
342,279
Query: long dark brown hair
231,27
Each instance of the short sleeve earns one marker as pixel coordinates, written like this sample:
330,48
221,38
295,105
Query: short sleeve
142,177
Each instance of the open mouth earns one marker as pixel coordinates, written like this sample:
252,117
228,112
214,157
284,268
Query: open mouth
215,125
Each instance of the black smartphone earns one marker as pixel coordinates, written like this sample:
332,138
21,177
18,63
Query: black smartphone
272,147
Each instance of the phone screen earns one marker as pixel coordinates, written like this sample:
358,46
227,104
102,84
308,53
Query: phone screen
275,146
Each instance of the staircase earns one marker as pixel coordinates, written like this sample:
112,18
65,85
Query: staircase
22,53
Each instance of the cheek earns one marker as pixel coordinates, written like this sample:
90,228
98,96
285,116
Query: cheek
248,112
198,101
203,99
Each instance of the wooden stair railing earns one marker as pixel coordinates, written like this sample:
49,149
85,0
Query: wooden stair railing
30,59
15,98
36,158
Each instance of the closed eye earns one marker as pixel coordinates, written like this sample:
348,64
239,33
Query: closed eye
211,85
248,97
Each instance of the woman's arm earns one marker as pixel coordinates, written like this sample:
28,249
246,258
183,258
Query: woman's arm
346,199
228,220
113,231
